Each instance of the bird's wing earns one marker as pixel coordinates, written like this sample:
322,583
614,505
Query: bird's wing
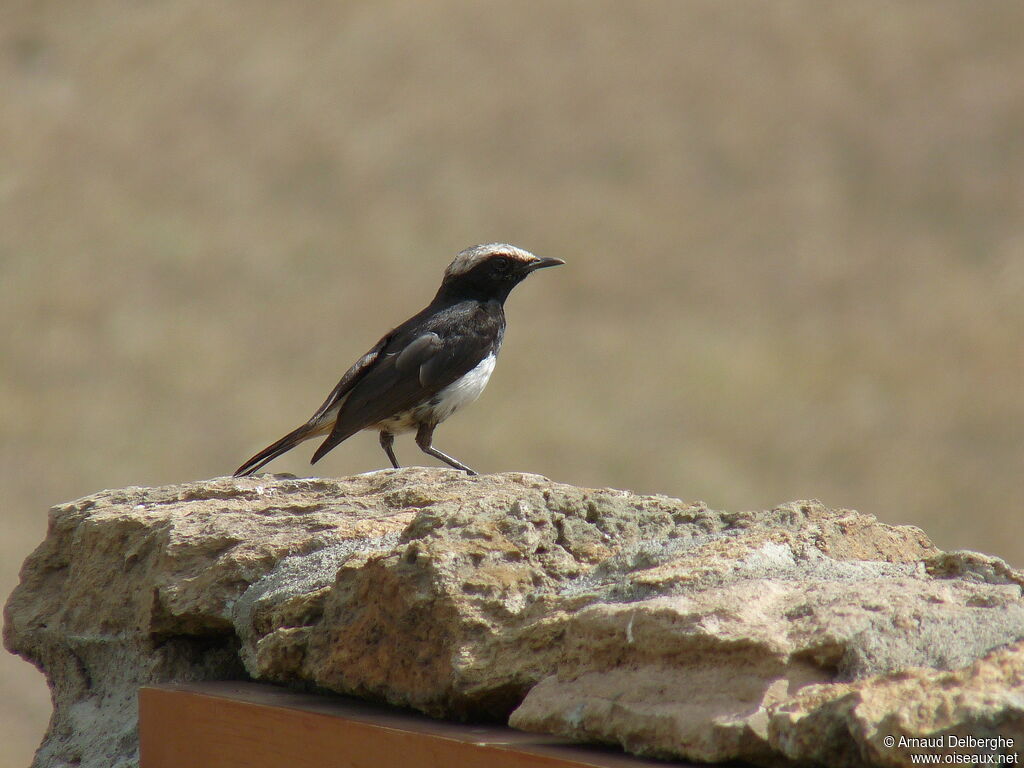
349,380
420,350
406,376
321,421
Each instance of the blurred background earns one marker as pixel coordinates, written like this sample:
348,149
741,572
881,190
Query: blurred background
794,235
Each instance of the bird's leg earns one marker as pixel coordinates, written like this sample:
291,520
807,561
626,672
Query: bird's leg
387,439
424,438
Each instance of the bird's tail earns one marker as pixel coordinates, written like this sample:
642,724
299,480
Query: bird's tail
274,450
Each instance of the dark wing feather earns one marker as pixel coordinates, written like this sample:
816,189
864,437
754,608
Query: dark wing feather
319,422
419,351
410,371
350,379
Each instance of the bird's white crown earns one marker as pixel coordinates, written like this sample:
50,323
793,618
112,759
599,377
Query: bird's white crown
470,257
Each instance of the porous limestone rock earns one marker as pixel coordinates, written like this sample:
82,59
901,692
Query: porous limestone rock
748,670
139,585
971,712
799,634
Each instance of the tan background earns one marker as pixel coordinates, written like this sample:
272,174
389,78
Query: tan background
794,233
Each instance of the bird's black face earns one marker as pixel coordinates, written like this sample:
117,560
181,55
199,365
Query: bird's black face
501,268
494,275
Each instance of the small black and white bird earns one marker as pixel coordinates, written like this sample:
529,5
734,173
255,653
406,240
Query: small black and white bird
427,368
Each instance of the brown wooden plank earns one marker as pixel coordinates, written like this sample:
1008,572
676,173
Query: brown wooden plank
250,725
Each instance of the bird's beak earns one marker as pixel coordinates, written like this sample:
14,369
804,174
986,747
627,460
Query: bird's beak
541,263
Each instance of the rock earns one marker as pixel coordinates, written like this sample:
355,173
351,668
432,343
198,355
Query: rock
923,711
701,675
669,628
139,585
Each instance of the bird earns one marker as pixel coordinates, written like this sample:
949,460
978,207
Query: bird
427,368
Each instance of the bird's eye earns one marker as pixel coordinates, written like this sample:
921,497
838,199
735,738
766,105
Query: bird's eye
501,263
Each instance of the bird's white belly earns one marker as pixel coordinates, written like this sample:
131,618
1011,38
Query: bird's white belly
463,391
460,392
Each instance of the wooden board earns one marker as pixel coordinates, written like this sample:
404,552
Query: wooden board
250,725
